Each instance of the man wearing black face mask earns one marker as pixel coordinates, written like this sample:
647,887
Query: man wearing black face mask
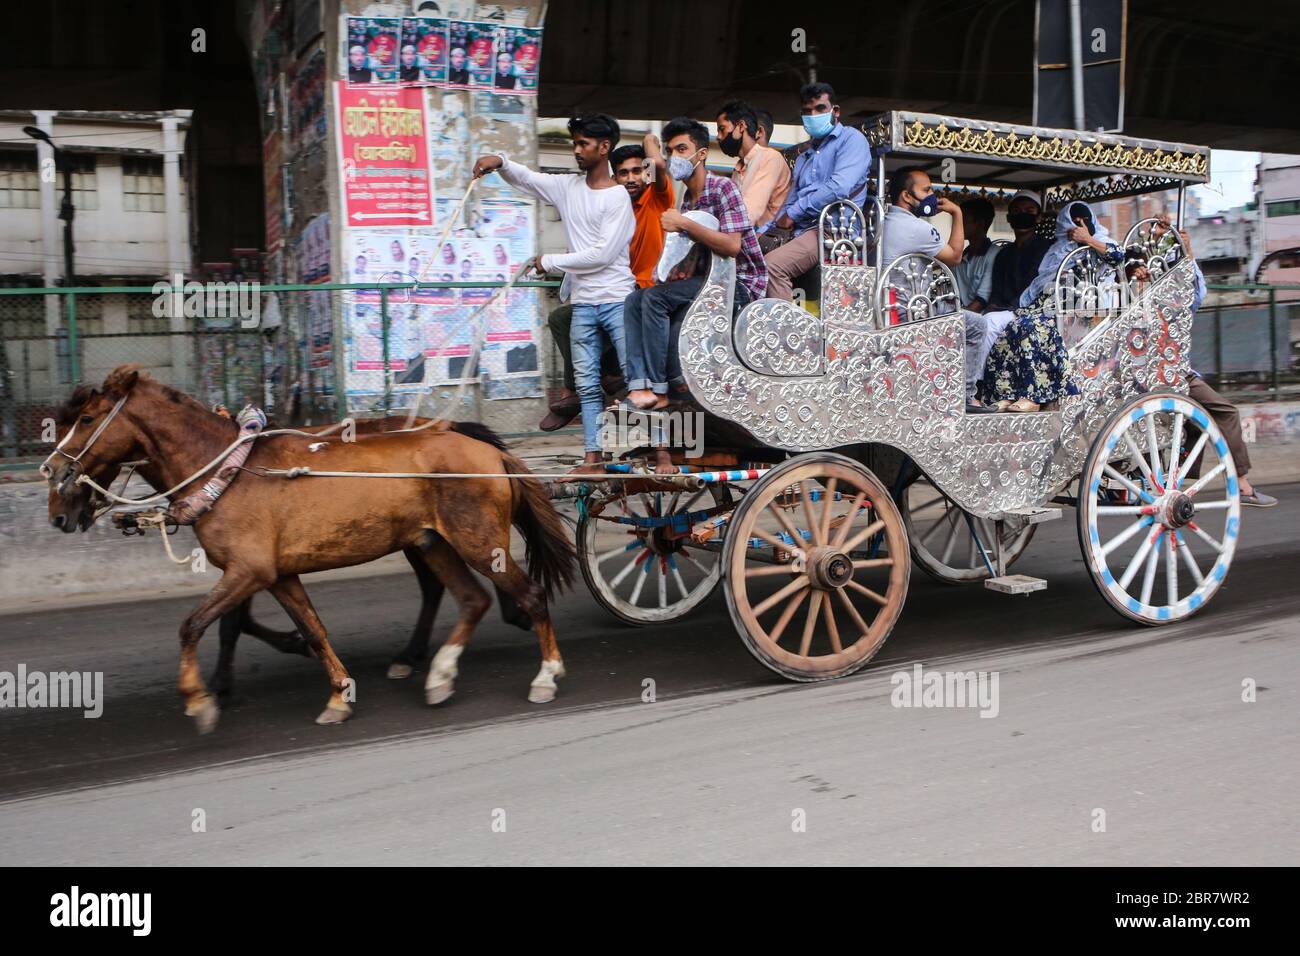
761,174
1017,264
907,230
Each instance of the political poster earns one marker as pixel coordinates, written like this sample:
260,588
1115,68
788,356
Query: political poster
372,50
384,155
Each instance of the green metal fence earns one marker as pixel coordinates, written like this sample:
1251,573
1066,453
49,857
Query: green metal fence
289,357
53,339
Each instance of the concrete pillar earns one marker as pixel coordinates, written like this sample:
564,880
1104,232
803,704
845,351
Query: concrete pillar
51,241
177,257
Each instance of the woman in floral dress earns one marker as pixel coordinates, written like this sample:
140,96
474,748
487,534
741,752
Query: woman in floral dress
1028,366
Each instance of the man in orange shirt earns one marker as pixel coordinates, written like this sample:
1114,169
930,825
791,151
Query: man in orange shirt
761,172
633,165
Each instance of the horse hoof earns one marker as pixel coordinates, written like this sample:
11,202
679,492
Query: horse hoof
438,693
205,713
541,694
334,715
399,671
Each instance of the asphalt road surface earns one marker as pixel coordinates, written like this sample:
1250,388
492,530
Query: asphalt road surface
1099,722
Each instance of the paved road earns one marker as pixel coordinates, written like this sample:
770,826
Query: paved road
1147,725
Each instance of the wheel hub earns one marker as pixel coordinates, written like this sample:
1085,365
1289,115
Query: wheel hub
829,568
1177,510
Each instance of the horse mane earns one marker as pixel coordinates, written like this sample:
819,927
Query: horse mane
480,432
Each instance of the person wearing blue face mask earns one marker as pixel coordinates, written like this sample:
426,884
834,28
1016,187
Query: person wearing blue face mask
908,230
836,165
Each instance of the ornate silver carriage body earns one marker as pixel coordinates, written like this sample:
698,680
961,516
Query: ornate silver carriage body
884,361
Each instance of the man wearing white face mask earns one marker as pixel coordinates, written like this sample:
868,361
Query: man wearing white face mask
836,166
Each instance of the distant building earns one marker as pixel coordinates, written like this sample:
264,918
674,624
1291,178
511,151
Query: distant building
131,228
1224,243
1278,196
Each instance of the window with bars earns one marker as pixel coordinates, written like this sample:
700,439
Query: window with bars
19,185
85,185
142,184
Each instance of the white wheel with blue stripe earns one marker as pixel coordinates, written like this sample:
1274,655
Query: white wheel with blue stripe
1159,509
650,558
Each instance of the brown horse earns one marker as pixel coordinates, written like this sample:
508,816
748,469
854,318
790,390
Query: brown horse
75,510
268,529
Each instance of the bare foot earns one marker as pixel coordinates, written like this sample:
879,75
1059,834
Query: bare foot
664,463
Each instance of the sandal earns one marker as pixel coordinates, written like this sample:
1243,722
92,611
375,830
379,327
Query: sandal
1023,405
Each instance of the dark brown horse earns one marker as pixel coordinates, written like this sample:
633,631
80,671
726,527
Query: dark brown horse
76,507
268,529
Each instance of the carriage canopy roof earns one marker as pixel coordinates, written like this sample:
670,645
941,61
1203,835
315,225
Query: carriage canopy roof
1063,164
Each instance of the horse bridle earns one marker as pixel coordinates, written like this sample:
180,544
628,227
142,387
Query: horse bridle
48,472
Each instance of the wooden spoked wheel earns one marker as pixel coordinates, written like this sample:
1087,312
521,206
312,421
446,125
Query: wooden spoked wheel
639,560
952,545
1159,509
816,563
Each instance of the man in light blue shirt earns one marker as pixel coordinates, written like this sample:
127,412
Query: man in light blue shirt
974,273
836,165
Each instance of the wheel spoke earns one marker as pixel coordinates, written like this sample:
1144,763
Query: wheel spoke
1207,477
842,531
800,582
873,563
631,566
1188,560
935,527
805,492
767,570
640,581
693,563
681,585
784,520
1123,509
832,626
1131,571
810,624
863,535
867,592
853,612
1215,505
1153,562
1112,473
952,537
1140,460
791,606
1175,448
824,532
614,552
1207,538
773,540
1191,457
1153,449
663,583
1124,535
1171,571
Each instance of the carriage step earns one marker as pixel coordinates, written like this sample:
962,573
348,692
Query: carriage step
1033,515
1015,584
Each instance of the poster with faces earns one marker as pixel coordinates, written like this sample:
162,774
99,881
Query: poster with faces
458,37
518,60
481,50
372,50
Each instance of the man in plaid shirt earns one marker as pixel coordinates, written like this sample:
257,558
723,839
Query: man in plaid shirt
652,316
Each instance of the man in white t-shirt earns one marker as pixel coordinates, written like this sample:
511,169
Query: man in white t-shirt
907,230
599,223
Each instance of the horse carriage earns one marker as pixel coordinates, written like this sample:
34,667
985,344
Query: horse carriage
838,447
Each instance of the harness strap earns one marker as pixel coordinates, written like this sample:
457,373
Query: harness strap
194,506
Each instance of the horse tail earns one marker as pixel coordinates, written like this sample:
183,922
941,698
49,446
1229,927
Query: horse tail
548,546
479,432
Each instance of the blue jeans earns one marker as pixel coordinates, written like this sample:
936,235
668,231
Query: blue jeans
589,321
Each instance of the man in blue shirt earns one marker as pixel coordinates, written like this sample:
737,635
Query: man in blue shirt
837,165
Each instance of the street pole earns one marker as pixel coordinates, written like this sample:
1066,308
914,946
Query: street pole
67,212
1076,61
